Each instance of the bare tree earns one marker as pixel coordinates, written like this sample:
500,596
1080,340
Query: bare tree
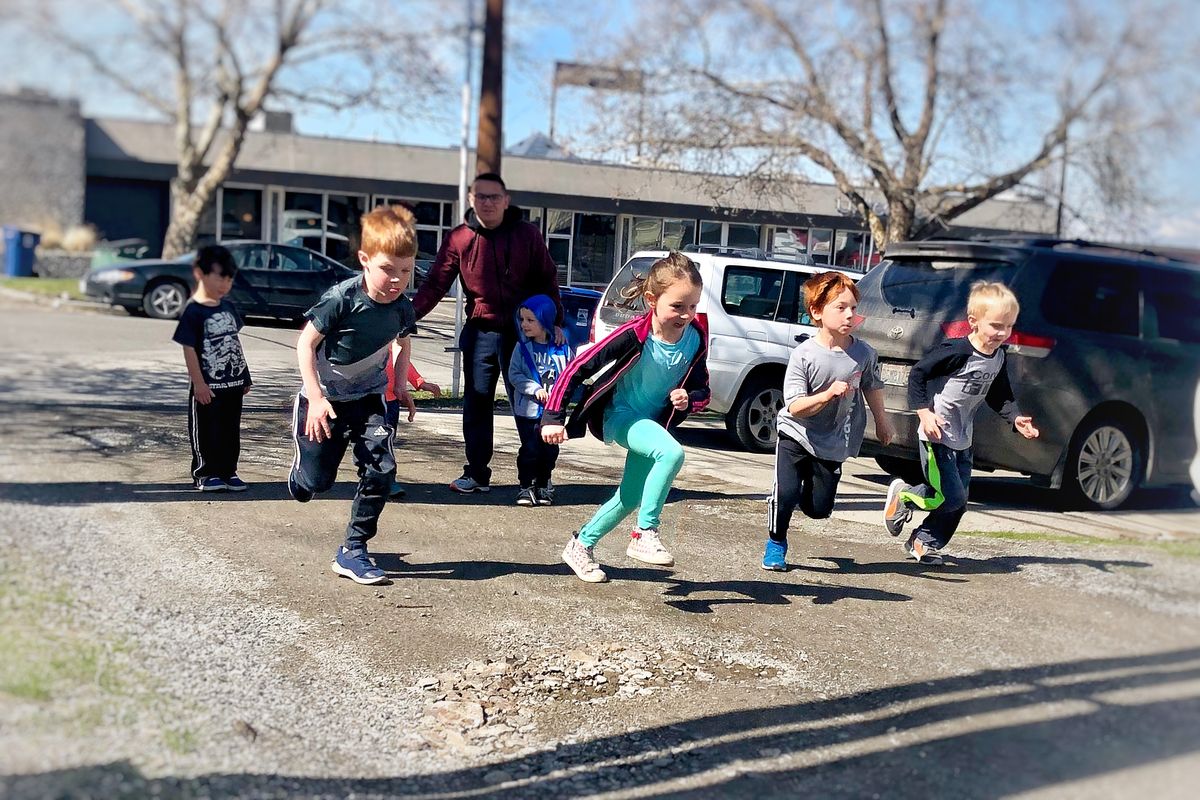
917,110
211,66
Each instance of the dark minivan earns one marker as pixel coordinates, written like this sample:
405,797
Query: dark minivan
1105,356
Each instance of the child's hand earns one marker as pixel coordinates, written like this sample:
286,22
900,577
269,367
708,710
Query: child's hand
204,395
406,400
431,387
560,338
316,424
541,395
554,434
931,424
837,389
679,399
884,431
1024,426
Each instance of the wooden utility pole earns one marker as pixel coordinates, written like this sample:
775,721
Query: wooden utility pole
491,91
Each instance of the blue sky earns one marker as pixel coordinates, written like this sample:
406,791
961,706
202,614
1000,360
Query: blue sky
537,38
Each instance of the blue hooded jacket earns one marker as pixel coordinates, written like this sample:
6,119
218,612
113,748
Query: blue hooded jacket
536,366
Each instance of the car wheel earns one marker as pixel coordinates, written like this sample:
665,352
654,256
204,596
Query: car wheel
752,419
905,469
165,300
1105,463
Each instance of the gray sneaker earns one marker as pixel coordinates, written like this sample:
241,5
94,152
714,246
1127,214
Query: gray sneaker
545,494
525,497
468,485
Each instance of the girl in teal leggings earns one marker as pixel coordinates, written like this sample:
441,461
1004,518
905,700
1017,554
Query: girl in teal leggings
656,375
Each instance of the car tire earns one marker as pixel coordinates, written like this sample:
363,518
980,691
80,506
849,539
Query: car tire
165,300
1106,462
752,419
905,469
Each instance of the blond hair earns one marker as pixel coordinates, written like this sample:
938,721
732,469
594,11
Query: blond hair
390,230
986,295
674,267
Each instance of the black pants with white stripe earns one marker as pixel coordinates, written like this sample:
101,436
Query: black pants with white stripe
801,479
215,432
361,425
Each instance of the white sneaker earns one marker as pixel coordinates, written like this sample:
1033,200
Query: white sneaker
644,545
581,559
465,485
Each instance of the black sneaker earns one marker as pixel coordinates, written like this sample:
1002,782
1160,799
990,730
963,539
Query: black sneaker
525,497
923,553
544,494
298,492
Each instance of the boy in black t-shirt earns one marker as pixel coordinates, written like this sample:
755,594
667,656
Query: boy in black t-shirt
208,331
352,331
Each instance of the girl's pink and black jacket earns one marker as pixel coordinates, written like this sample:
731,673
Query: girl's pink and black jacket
621,349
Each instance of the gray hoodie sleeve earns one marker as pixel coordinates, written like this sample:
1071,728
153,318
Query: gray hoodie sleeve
795,380
524,382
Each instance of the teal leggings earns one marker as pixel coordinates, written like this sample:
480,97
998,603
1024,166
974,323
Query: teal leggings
653,462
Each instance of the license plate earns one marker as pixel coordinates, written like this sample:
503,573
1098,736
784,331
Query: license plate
894,374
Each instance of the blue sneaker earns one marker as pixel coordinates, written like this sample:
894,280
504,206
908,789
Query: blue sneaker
211,485
774,557
235,484
298,492
357,566
397,491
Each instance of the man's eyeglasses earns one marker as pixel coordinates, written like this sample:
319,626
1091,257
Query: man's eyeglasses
488,198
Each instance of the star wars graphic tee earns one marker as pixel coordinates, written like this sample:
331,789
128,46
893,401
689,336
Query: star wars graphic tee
213,332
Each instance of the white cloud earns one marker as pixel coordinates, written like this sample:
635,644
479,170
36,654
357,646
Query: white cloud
1182,228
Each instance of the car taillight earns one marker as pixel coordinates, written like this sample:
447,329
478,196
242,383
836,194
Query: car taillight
958,329
1026,344
592,327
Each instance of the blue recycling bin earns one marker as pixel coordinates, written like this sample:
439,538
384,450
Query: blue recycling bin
18,251
578,307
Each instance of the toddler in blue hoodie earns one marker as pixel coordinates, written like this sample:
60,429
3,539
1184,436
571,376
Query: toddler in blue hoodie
536,363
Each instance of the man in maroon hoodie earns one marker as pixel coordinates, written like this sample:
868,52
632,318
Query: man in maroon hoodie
502,261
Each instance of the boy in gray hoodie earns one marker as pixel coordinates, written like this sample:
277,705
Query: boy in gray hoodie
535,364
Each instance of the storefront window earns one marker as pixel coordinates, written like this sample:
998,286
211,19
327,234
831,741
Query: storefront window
343,230
303,220
678,233
241,214
742,235
594,249
820,244
710,232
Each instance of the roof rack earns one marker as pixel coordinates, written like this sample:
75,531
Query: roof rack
1080,244
720,250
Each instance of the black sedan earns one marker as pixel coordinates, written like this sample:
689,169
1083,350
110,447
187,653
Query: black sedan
273,280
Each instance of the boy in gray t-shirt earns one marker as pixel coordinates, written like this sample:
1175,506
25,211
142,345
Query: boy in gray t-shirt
823,417
352,331
946,388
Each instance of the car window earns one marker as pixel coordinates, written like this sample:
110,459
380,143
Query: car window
752,291
622,285
1174,300
293,259
933,286
249,256
1093,296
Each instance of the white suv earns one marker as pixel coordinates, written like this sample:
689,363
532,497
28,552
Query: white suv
754,305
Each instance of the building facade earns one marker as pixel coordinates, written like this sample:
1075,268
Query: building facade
311,191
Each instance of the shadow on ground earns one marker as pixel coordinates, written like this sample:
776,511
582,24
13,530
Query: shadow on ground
74,493
987,734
